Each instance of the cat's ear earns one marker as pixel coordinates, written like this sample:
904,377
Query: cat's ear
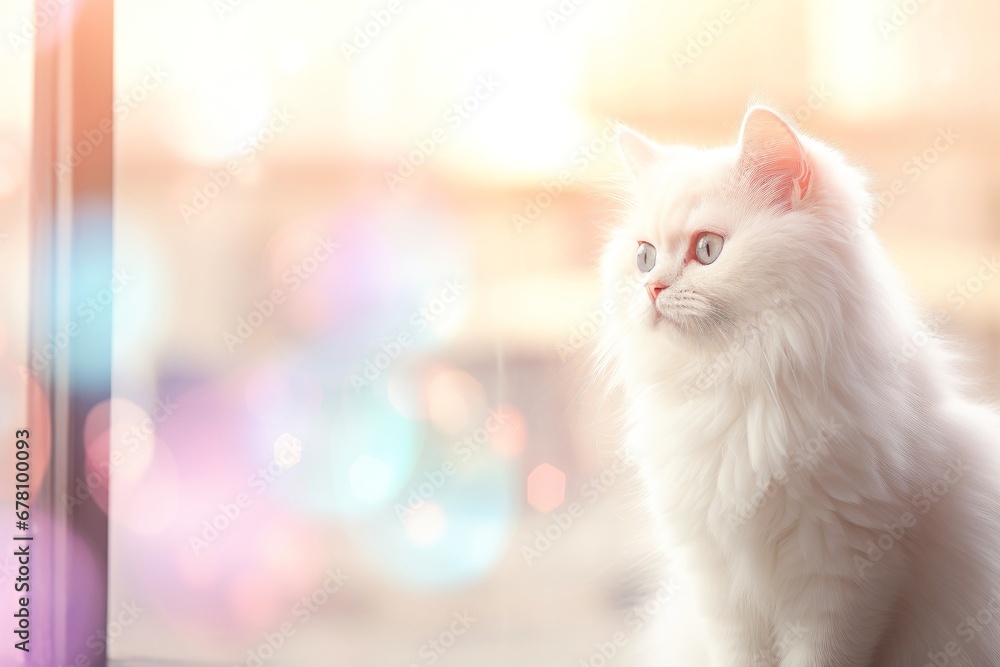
772,156
638,152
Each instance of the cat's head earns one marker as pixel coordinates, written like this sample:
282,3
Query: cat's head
720,244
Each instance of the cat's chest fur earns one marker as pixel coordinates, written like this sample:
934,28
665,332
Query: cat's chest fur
742,473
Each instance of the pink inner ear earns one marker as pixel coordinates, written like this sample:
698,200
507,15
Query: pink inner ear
772,154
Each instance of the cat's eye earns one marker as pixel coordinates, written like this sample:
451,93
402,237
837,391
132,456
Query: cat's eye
707,247
645,256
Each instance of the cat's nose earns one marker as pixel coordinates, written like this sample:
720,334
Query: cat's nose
654,288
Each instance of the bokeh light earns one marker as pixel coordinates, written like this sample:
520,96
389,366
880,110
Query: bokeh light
373,450
144,297
227,106
426,524
357,425
455,400
282,395
453,540
405,393
119,439
511,437
150,503
546,487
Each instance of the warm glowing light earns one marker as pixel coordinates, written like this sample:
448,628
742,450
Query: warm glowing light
510,439
118,437
868,72
98,420
546,487
253,599
290,550
455,399
225,108
532,73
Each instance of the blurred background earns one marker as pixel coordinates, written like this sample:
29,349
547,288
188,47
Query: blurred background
353,420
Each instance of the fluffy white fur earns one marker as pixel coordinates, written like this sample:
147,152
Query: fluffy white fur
826,491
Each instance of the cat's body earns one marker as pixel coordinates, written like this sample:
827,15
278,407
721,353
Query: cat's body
828,495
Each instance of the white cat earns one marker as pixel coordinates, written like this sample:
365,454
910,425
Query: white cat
828,493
